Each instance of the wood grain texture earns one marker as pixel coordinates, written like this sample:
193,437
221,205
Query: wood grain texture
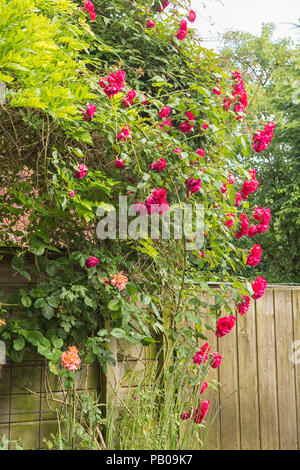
267,372
285,370
248,381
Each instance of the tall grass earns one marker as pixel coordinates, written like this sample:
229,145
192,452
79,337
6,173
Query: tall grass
148,415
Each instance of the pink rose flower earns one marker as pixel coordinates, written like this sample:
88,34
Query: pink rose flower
201,152
159,166
192,16
217,91
224,189
193,186
156,203
164,112
125,133
202,355
82,171
119,163
165,125
204,387
217,359
150,24
129,98
225,325
181,34
254,259
259,286
238,199
244,305
91,262
230,220
199,413
88,114
113,84
89,6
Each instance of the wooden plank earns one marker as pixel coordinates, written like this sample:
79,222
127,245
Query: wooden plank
248,384
285,370
268,406
229,396
296,354
212,433
10,275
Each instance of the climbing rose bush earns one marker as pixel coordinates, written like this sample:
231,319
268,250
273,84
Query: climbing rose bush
157,120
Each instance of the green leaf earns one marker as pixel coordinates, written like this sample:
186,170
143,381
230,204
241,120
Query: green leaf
57,342
118,333
113,305
39,303
131,288
26,301
19,343
47,311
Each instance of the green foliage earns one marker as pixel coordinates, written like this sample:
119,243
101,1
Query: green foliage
58,64
39,58
6,444
271,71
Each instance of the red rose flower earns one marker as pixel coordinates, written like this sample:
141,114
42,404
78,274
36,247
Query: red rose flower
259,286
150,24
199,413
119,163
202,355
225,325
244,305
192,16
91,262
216,360
164,112
159,166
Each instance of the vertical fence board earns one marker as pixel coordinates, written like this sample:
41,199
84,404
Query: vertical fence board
212,440
229,396
267,372
285,369
296,351
249,406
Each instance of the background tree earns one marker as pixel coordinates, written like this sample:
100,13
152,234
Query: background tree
271,71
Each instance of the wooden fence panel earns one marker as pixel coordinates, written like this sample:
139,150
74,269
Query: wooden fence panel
296,344
248,381
229,396
267,379
285,369
213,438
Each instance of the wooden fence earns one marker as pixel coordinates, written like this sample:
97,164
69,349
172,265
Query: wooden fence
258,404
260,377
259,399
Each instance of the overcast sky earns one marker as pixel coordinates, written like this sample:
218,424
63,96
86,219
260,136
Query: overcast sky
246,15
